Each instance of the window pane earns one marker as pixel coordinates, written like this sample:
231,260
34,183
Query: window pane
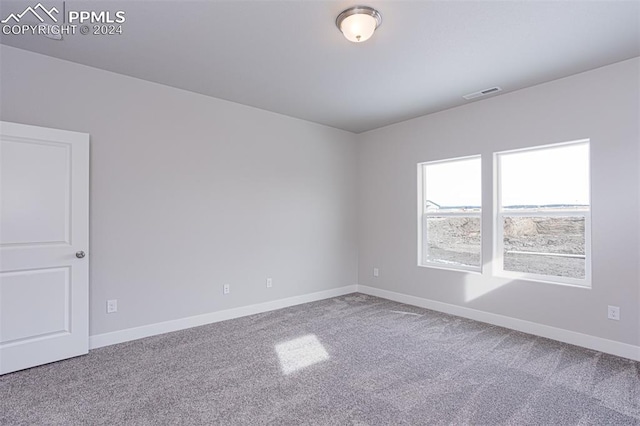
553,177
453,185
453,241
545,245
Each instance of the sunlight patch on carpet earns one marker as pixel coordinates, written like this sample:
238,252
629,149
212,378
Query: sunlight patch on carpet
300,353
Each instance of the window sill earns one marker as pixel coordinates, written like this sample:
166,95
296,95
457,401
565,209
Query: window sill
477,271
586,284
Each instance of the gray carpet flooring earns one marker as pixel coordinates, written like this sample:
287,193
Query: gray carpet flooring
354,359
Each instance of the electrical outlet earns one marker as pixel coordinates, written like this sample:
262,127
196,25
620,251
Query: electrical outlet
376,272
112,306
613,313
269,283
226,289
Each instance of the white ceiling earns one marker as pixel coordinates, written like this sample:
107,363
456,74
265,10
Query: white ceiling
288,56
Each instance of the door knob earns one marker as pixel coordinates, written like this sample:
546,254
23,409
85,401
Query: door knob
80,254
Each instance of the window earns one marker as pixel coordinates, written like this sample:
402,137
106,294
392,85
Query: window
543,214
449,214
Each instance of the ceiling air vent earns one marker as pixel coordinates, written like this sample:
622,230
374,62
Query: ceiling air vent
484,92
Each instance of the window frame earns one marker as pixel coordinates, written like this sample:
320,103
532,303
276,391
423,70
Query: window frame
500,215
422,213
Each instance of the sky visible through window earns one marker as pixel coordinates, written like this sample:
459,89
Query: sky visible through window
549,176
454,183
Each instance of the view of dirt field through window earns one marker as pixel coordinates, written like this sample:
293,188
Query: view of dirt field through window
552,246
542,219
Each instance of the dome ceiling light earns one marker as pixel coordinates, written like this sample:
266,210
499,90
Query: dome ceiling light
358,23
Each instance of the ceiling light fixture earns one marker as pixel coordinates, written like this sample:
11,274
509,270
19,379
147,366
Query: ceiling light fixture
358,23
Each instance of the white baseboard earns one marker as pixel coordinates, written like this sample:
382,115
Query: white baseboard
559,334
562,335
121,336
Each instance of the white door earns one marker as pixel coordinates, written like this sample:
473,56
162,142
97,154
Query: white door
44,241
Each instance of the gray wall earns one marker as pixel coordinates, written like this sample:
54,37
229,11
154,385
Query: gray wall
190,192
601,105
